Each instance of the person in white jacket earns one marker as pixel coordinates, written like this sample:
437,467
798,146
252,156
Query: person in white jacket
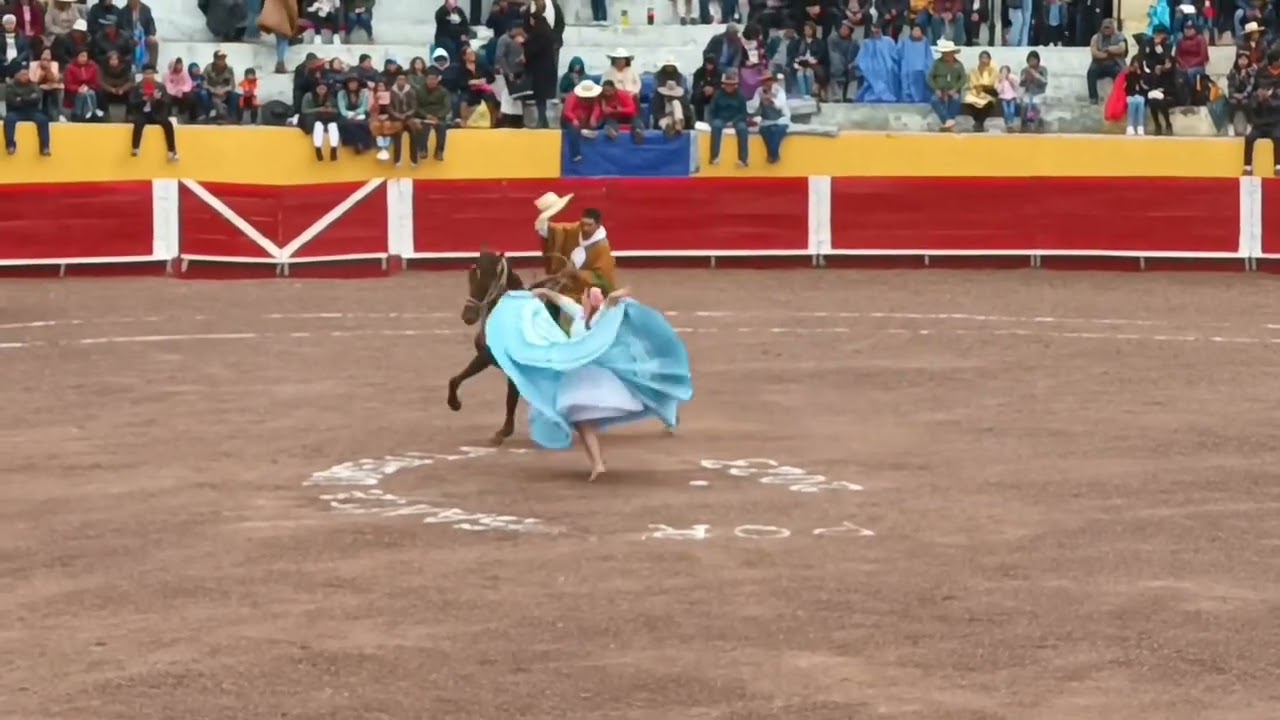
624,76
770,105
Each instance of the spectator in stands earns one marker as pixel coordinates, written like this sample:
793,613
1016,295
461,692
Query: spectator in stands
1159,78
544,36
946,80
365,70
403,110
326,17
45,75
249,100
110,40
511,82
306,75
30,19
1239,80
434,108
980,96
668,110
59,20
1034,81
472,81
919,15
948,21
23,101
453,31
1135,90
83,89
1251,43
618,111
1020,14
15,51
381,124
354,101
335,74
149,104
706,81
360,17
1109,49
1265,96
806,58
770,106
137,22
220,89
669,71
1007,93
75,41
755,63
891,16
686,18
117,82
179,86
775,48
576,73
1192,52
915,58
199,94
620,72
726,48
841,51
857,13
101,15
599,12
580,116
976,14
319,118
504,15
728,109
1250,11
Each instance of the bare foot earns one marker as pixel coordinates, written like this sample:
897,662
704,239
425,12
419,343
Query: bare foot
671,430
597,472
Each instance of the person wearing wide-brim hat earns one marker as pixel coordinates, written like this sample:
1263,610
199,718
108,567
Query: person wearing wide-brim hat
578,251
624,76
770,103
946,79
728,109
580,116
669,111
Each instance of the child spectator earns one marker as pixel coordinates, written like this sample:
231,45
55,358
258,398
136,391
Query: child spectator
220,88
249,102
150,106
1034,81
580,117
403,109
434,107
354,102
23,100
770,105
1135,90
1008,94
44,74
179,86
618,110
117,81
576,73
728,109
1239,80
360,17
319,117
83,88
381,125
326,18
620,72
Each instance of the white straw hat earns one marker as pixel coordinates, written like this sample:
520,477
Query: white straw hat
550,204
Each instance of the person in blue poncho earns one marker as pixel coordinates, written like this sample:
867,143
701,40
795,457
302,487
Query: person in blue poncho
915,57
877,68
621,362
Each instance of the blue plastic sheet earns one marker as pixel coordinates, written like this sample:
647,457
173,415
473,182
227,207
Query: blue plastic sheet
655,157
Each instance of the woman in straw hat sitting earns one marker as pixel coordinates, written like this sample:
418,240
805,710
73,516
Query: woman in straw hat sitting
620,362
624,76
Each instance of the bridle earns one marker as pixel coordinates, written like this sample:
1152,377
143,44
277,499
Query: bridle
495,291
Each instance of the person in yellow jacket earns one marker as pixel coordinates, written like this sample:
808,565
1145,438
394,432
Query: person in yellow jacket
980,96
578,252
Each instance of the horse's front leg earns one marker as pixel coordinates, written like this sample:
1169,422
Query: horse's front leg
473,368
508,424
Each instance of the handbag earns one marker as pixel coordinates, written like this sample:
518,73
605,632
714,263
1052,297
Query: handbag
520,86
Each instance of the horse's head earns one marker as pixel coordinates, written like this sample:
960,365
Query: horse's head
487,280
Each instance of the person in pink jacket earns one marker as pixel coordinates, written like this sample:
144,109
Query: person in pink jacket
180,86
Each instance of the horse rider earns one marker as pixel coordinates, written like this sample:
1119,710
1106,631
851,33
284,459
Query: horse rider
577,252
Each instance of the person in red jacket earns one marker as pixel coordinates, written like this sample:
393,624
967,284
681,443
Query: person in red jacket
580,116
30,17
1192,52
618,110
83,89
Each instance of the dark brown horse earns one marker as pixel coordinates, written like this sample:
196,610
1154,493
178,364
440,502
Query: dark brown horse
488,280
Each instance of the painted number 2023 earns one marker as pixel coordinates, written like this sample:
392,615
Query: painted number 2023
770,472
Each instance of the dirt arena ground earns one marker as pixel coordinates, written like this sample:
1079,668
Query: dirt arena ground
1043,496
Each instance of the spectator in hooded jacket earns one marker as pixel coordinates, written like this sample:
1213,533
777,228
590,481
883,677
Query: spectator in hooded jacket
576,73
23,100
434,108
1265,99
706,81
117,82
83,89
181,90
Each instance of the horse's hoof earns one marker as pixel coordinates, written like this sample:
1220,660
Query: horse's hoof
497,439
455,404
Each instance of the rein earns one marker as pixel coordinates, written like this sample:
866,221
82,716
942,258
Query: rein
496,289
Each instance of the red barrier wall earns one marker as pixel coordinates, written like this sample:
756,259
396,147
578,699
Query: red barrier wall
644,215
1082,215
1271,217
282,216
82,220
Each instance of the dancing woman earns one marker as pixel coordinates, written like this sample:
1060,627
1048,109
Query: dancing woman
621,362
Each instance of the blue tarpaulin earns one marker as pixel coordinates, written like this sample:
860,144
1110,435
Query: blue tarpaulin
655,157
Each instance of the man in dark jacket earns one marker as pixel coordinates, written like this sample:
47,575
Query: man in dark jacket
103,14
149,105
137,15
728,109
433,107
543,26
305,78
706,80
1265,98
23,99
109,40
